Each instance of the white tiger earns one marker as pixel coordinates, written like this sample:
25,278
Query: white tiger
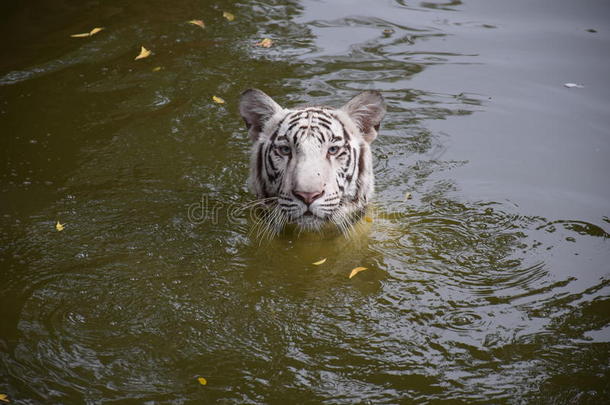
312,165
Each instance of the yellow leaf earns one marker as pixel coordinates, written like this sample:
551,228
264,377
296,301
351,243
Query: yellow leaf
218,100
265,43
228,15
88,34
157,68
408,196
319,262
95,30
198,23
202,381
356,271
59,227
4,398
368,219
144,53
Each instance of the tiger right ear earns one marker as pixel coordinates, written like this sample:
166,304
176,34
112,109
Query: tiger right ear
367,110
256,108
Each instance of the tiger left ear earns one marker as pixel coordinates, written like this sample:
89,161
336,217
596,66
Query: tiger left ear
256,108
367,110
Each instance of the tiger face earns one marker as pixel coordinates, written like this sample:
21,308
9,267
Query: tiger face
312,165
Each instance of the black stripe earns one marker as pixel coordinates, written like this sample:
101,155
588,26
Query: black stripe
323,125
294,120
346,135
361,164
320,137
279,125
270,160
291,126
323,120
259,170
351,176
271,171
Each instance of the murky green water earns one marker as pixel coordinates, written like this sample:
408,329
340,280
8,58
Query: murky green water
490,285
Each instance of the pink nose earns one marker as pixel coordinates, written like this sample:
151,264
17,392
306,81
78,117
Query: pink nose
308,197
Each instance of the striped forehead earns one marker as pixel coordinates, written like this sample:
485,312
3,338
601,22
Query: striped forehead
311,123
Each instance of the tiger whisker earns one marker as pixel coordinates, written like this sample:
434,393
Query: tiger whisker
267,230
255,203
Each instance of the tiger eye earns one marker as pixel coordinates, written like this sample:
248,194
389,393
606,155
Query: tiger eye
284,150
333,150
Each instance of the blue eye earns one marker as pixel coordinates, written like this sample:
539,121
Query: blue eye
333,150
284,150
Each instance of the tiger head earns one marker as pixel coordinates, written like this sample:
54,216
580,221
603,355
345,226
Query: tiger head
312,164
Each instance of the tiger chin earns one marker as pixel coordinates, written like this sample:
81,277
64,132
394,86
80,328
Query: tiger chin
311,166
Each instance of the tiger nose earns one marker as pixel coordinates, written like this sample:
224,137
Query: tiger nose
308,197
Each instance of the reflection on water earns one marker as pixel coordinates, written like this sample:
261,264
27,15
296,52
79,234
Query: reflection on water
468,296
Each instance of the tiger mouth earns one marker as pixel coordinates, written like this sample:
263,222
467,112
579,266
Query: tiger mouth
309,218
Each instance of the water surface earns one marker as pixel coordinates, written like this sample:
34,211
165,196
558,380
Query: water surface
490,285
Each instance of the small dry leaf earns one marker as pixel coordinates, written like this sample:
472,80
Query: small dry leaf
265,43
4,398
59,227
319,262
88,34
157,68
356,271
218,100
144,53
368,219
408,196
95,30
198,23
228,16
202,381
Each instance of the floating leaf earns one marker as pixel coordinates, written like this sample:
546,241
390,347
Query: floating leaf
408,196
228,15
218,100
265,43
4,398
59,227
198,23
88,34
319,262
157,68
144,53
368,219
202,381
573,85
356,271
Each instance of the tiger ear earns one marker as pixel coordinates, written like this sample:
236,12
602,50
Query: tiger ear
366,110
256,108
